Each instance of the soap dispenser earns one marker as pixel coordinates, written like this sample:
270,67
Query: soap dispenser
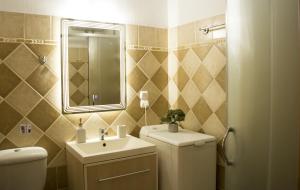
81,133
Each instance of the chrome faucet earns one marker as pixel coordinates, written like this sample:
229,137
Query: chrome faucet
103,132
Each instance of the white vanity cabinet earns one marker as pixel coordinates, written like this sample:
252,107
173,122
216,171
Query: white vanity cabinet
137,172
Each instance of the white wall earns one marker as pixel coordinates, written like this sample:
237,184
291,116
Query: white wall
145,12
185,11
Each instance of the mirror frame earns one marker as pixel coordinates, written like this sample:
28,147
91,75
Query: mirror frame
65,24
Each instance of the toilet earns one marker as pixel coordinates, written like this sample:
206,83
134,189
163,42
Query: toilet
23,168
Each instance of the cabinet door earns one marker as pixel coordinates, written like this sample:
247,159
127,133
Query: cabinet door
137,173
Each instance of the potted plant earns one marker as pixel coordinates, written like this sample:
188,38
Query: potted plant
172,118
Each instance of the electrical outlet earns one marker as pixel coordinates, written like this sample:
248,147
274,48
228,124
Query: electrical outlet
25,128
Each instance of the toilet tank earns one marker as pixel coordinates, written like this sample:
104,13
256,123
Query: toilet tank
23,168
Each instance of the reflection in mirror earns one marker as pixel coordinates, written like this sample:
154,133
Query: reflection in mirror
93,68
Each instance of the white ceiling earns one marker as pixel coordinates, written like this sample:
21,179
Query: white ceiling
160,13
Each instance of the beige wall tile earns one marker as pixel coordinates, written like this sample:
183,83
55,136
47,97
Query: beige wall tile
190,63
134,109
92,126
50,146
6,49
191,122
9,118
22,61
37,27
12,25
16,98
147,36
22,140
6,144
161,37
191,93
153,92
109,117
186,34
149,64
8,80
161,106
160,79
131,34
137,79
202,110
214,96
213,126
124,119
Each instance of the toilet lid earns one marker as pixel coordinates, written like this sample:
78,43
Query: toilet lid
22,155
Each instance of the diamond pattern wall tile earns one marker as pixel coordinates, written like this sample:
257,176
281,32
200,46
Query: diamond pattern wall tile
24,140
148,64
22,61
77,64
190,63
181,78
171,65
222,79
160,55
59,159
191,122
214,61
222,113
137,79
202,78
9,118
152,119
201,51
124,119
181,104
2,137
84,71
7,144
222,47
6,49
134,109
109,117
74,118
8,80
180,54
16,98
191,93
53,96
202,110
171,93
43,115
41,49
136,54
77,79
42,80
130,93
214,127
130,63
161,106
77,97
61,131
92,126
51,147
160,79
153,92
214,96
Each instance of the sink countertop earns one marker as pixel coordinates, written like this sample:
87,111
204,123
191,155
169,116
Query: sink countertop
95,150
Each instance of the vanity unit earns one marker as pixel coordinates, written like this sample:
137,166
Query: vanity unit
115,163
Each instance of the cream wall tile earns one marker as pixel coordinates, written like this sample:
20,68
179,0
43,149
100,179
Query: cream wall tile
161,37
191,122
191,63
59,160
153,91
37,27
214,61
214,96
131,34
148,64
186,34
92,126
22,140
12,25
152,119
16,98
191,93
124,119
146,36
214,127
171,93
61,131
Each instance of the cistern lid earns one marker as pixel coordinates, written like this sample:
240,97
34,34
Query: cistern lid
22,155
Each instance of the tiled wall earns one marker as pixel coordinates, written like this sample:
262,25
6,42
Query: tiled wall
198,78
188,72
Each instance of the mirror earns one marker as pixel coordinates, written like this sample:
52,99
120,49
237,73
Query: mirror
93,66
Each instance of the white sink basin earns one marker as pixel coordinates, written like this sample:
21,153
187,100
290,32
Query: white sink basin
110,148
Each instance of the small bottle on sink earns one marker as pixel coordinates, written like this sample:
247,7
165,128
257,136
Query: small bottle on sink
81,133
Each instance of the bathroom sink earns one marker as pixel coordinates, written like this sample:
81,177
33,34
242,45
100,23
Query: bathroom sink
108,149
